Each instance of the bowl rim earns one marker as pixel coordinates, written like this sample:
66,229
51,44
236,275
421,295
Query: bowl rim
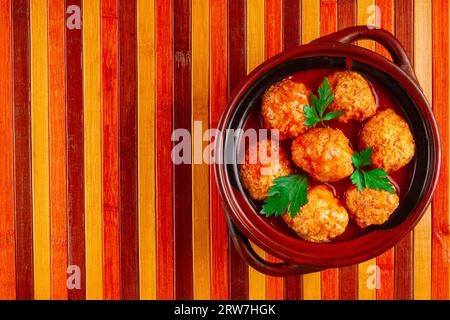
331,256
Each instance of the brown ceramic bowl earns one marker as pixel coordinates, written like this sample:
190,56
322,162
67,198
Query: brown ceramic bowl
334,51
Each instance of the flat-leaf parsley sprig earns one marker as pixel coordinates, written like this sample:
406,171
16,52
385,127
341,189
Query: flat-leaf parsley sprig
287,193
316,112
373,179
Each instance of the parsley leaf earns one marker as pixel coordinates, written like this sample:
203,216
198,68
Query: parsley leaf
363,158
373,179
377,179
316,112
287,193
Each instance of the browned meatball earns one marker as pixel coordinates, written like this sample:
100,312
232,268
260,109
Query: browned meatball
282,108
391,139
257,176
353,95
324,153
370,206
321,219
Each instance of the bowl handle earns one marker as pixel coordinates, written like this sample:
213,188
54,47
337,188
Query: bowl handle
385,38
245,250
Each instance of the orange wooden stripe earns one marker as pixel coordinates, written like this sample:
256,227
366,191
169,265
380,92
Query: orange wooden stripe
40,148
385,261
441,87
200,172
328,24
7,254
273,45
58,174
423,70
146,148
164,218
218,99
110,124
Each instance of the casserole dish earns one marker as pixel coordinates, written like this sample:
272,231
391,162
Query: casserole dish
334,51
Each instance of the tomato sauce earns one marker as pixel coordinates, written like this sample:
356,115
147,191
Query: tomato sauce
400,178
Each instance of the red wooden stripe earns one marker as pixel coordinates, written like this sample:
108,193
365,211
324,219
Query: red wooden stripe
293,288
328,16
238,271
22,149
110,151
292,23
129,250
273,10
348,276
385,261
385,18
346,13
164,220
182,178
348,283
273,45
75,152
218,100
441,87
57,144
328,21
404,268
7,255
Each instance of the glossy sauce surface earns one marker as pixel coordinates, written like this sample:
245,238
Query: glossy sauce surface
313,79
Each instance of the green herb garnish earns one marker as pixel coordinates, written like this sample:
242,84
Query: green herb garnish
316,112
287,193
372,179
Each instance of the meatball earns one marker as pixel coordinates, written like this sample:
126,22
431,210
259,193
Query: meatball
321,219
391,139
260,168
353,95
282,108
324,153
370,206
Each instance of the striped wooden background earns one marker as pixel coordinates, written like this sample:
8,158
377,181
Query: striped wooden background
86,117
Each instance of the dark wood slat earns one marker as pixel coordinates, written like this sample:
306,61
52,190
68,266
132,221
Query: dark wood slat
75,152
348,276
292,23
292,37
182,173
238,271
404,253
346,13
22,150
129,244
348,283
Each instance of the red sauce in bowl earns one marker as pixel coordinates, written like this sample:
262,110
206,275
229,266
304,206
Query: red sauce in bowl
400,178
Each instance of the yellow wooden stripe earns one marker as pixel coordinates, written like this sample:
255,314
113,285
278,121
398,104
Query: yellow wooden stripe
39,140
93,145
200,172
422,62
311,31
146,148
366,15
310,20
255,56
365,269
